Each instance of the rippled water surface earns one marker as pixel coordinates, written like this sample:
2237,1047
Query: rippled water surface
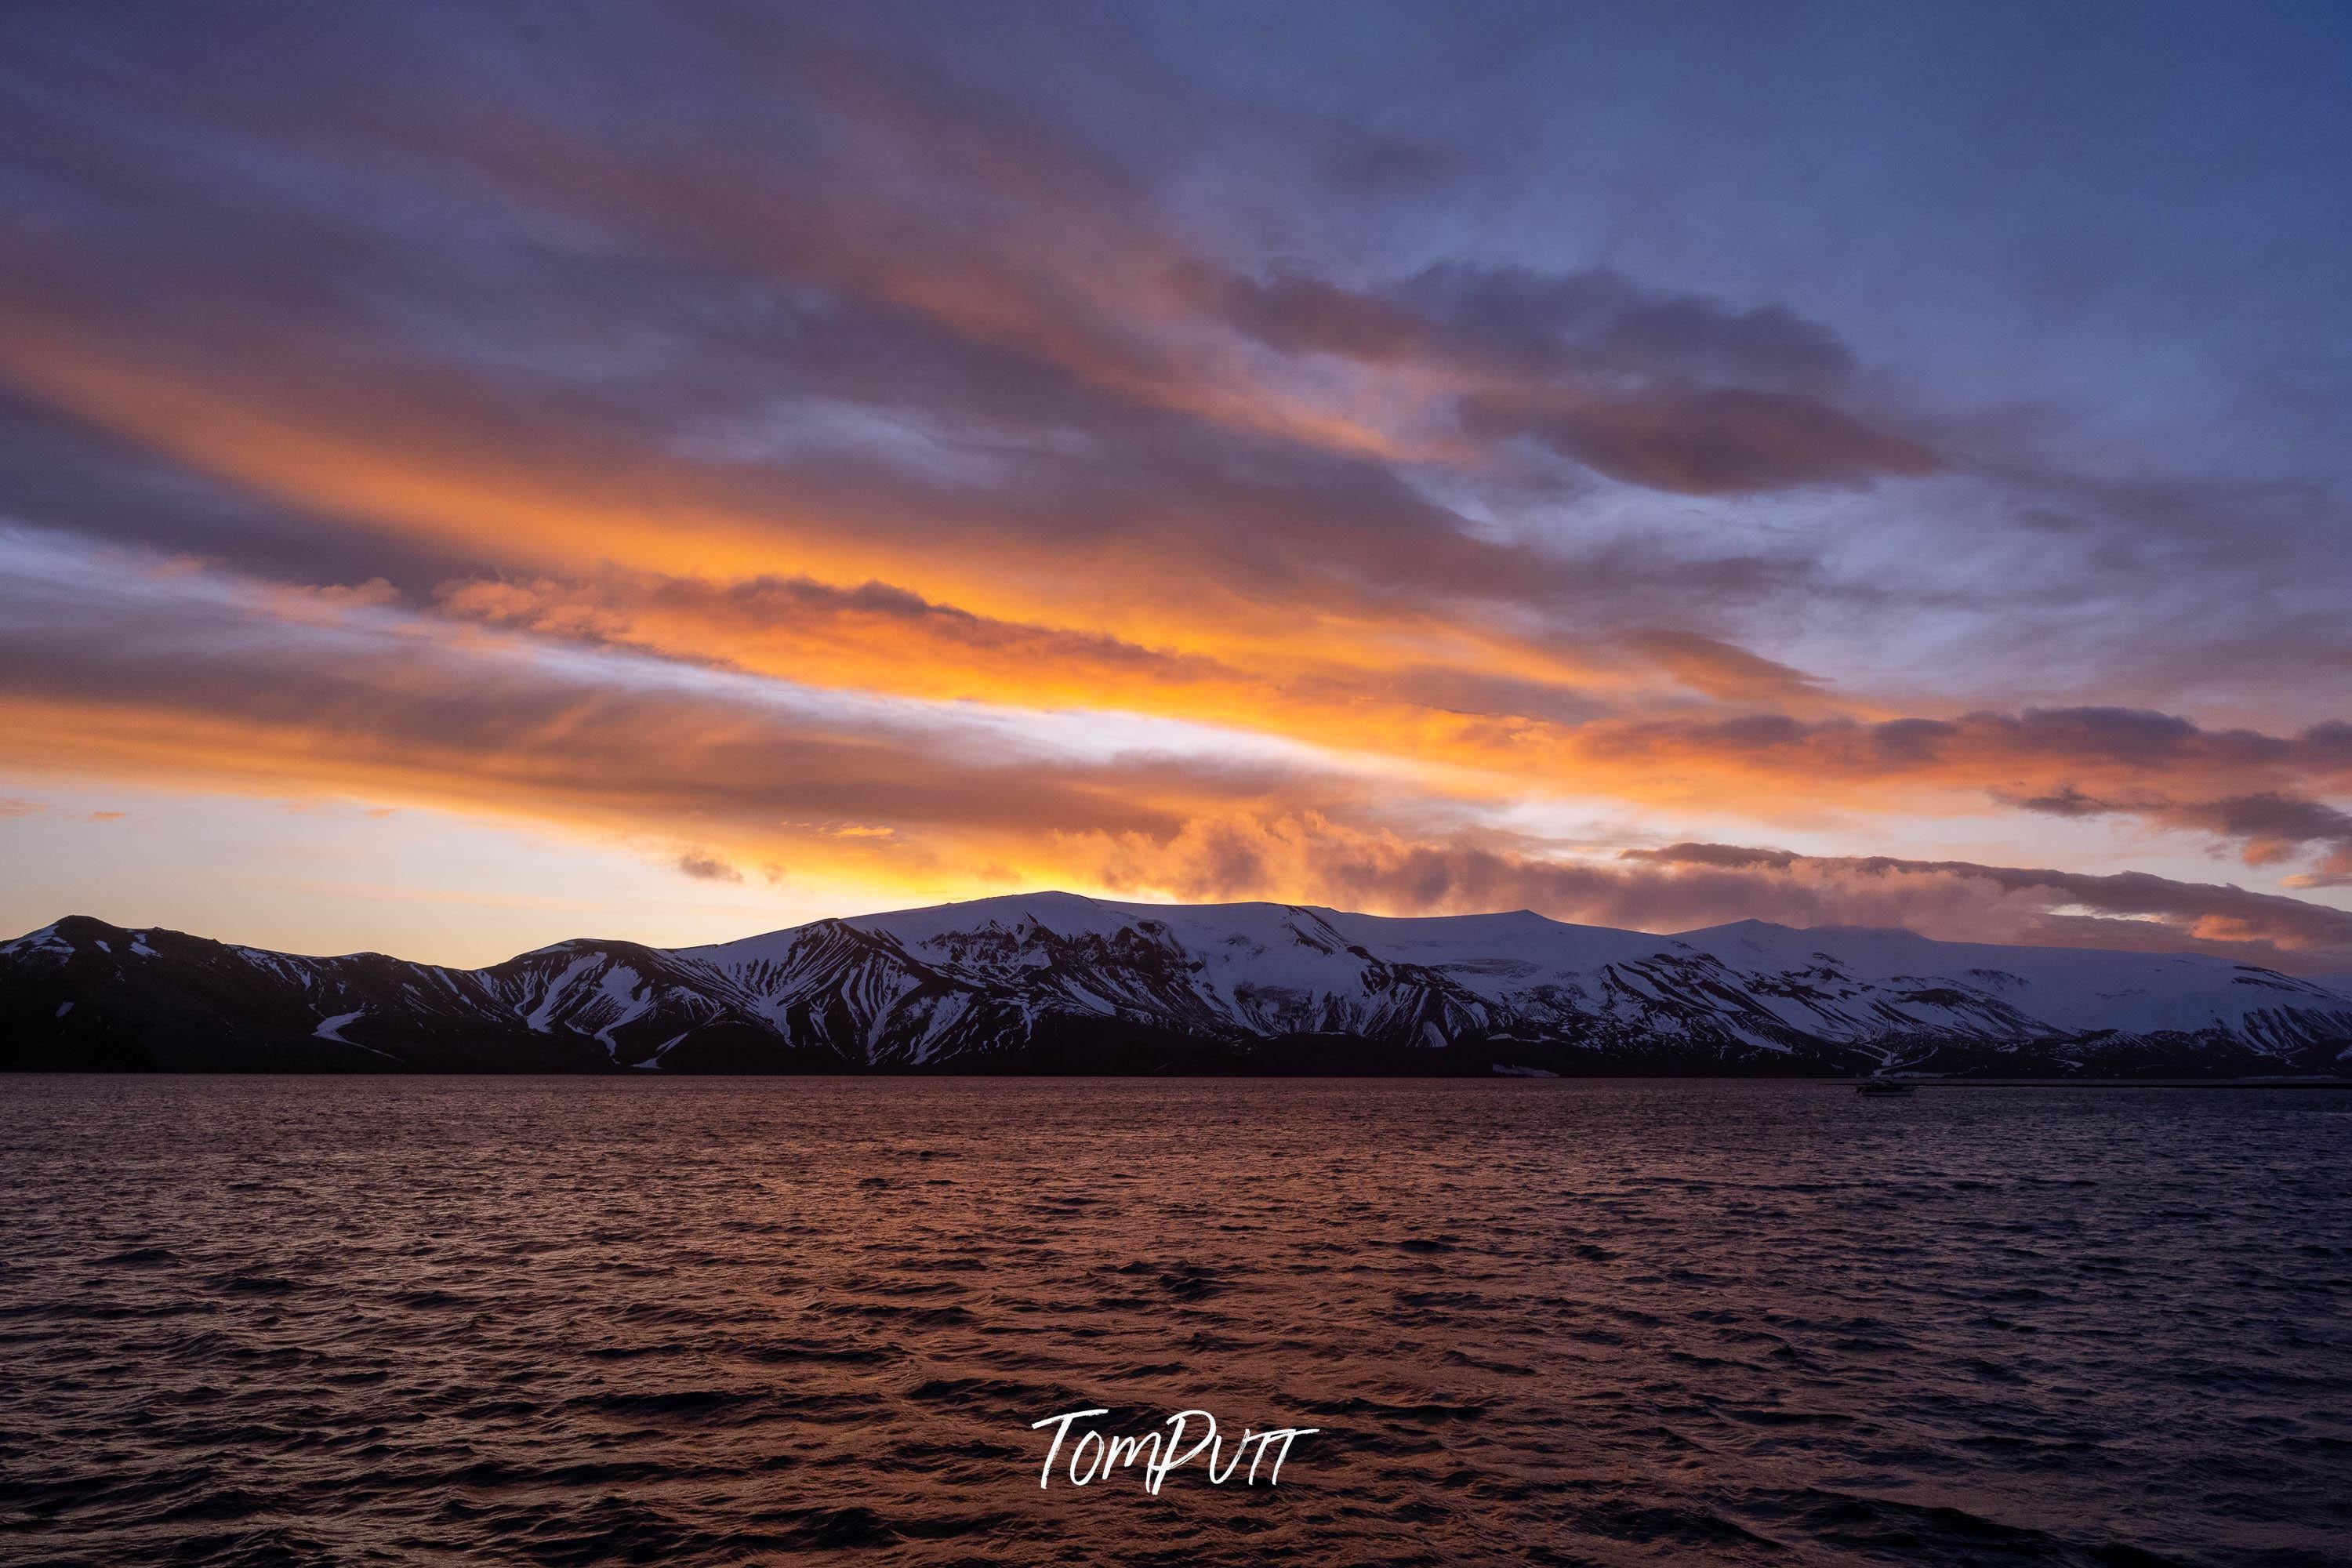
257,1320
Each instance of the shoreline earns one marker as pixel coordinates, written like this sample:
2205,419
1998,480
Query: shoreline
1839,1080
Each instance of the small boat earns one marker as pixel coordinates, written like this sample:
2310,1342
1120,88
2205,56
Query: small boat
1878,1083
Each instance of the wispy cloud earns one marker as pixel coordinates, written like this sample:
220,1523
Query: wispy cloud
1033,450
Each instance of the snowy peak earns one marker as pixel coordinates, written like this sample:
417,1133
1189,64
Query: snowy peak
1058,981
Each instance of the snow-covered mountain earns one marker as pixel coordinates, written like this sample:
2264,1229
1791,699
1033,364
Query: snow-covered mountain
1052,982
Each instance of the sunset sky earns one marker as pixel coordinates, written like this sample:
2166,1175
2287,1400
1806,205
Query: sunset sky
474,476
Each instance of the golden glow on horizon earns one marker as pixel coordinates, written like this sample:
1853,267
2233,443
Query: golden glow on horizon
679,579
877,662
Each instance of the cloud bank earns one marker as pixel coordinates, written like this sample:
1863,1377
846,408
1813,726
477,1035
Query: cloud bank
965,453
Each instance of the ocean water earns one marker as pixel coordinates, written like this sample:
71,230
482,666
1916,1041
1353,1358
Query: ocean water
305,1321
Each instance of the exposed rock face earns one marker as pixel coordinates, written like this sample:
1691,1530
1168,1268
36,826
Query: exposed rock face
1051,982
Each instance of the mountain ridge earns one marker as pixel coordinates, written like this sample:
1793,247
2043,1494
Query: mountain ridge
1054,981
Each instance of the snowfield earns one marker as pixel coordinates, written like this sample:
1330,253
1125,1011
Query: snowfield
1057,981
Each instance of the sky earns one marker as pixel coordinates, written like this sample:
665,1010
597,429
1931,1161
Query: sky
472,476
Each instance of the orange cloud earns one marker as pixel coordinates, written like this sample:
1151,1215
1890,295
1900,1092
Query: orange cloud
1310,857
900,486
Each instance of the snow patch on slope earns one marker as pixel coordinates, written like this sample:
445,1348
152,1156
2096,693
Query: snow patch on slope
332,1028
